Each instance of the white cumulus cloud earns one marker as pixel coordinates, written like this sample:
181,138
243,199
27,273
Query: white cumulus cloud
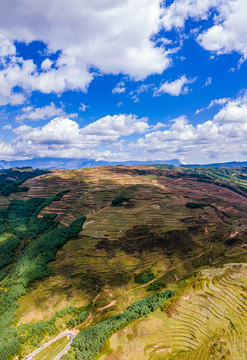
63,137
117,125
7,127
35,114
223,138
106,37
7,47
110,36
229,29
174,88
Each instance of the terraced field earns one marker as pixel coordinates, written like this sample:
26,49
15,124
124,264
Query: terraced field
170,224
209,322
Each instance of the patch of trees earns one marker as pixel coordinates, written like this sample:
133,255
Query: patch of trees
144,277
31,263
242,190
119,201
81,317
78,319
7,250
222,176
155,286
11,179
89,342
164,167
48,201
193,205
33,334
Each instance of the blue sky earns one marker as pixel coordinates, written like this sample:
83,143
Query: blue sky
124,80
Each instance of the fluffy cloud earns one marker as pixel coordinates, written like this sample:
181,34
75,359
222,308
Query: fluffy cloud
7,47
233,112
229,30
6,150
221,138
224,137
63,136
110,37
7,127
16,72
180,10
174,88
120,88
46,64
113,37
34,114
57,131
116,126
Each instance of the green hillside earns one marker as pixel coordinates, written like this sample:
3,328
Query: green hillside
140,257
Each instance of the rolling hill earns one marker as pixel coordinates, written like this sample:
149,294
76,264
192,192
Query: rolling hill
138,261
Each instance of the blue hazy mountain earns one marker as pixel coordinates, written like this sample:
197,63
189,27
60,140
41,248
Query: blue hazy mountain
69,164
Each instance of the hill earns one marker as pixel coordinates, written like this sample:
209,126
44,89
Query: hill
147,257
231,164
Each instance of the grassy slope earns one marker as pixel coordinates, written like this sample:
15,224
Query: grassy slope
208,322
117,242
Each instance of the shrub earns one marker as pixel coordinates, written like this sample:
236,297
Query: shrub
119,201
144,277
81,317
193,205
155,286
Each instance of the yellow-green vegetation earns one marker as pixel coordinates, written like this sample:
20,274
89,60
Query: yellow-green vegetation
147,229
206,321
23,259
223,175
88,343
51,351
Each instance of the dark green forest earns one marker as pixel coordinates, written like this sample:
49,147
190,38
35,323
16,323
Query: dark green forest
11,179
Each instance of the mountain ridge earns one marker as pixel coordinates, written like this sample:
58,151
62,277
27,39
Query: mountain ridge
74,163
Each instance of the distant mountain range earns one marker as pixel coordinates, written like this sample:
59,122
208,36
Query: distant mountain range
69,164
231,164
